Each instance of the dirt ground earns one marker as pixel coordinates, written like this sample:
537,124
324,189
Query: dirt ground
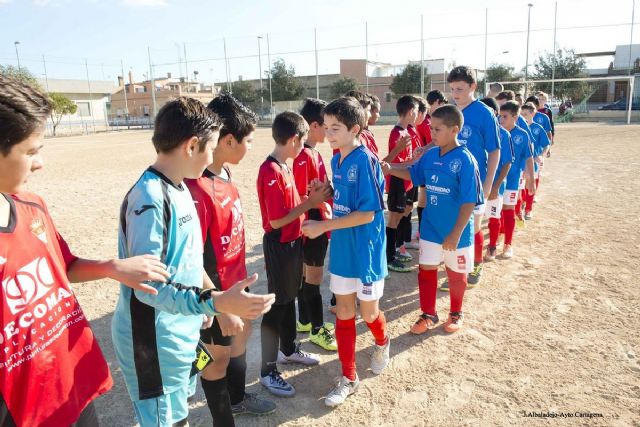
556,330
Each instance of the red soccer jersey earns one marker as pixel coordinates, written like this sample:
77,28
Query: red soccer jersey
277,195
403,156
222,224
367,139
424,131
51,366
307,167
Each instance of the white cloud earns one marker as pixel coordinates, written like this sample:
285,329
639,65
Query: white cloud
143,2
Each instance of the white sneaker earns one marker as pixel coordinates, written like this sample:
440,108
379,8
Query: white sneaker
277,385
414,244
299,356
344,389
380,357
508,252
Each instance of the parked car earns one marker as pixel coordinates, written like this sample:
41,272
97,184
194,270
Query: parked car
621,105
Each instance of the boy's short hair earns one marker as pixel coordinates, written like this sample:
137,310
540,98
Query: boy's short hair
462,73
496,87
348,111
541,93
517,95
375,101
529,106
436,95
181,119
23,110
405,103
450,115
534,99
422,104
237,119
287,125
512,107
491,103
361,97
507,95
312,110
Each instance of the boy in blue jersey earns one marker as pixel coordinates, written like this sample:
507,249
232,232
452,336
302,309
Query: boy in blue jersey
155,336
509,95
494,204
523,161
541,146
454,189
540,118
357,260
480,135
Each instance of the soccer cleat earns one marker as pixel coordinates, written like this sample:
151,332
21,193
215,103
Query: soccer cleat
528,215
303,327
344,389
474,277
298,356
380,357
277,385
252,404
520,223
454,322
444,287
325,339
424,323
414,244
507,253
402,255
398,267
491,254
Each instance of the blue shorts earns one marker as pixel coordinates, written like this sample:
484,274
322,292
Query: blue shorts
165,410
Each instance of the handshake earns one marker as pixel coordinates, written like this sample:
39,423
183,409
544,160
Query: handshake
319,193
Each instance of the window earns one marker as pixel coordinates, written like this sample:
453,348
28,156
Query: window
145,110
387,96
84,109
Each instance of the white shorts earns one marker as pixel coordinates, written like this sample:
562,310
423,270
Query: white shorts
460,260
510,197
479,209
522,182
348,285
494,207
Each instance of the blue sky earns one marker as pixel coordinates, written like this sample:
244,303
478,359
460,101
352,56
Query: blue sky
106,32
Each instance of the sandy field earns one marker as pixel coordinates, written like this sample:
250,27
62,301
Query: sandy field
554,331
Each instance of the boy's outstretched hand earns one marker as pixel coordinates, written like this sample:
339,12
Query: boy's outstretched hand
134,271
313,229
386,168
319,192
242,304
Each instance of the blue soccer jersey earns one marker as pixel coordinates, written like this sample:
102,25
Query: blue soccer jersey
155,336
540,142
521,152
451,181
479,133
358,183
506,156
543,120
522,124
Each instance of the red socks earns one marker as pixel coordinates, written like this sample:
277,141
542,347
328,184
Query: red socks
428,289
379,330
509,217
346,340
494,232
529,201
478,240
457,286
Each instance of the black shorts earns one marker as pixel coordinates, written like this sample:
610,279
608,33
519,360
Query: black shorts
412,196
314,250
397,198
283,262
213,335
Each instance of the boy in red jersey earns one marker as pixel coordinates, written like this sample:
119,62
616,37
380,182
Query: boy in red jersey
52,370
217,202
375,110
282,213
308,168
366,137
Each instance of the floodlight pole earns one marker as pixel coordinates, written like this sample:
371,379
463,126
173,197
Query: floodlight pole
526,66
553,66
260,76
315,47
422,55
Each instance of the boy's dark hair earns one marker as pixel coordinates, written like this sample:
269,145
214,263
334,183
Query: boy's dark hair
511,107
450,115
491,103
181,119
497,87
361,97
422,104
507,95
312,110
517,95
534,99
375,101
529,106
286,125
23,110
237,119
348,111
405,104
436,96
462,73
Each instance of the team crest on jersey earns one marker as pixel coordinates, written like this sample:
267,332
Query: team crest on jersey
352,174
434,200
536,130
517,139
455,165
434,178
466,132
38,230
336,194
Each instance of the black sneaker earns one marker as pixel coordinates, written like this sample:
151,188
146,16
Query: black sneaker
252,404
474,277
398,267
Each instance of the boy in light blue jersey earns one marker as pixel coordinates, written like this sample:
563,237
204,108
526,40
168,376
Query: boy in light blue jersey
539,117
454,188
541,146
357,255
155,336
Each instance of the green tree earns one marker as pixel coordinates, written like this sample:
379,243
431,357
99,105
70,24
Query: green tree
21,74
408,81
284,84
568,65
501,73
244,91
342,86
61,106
